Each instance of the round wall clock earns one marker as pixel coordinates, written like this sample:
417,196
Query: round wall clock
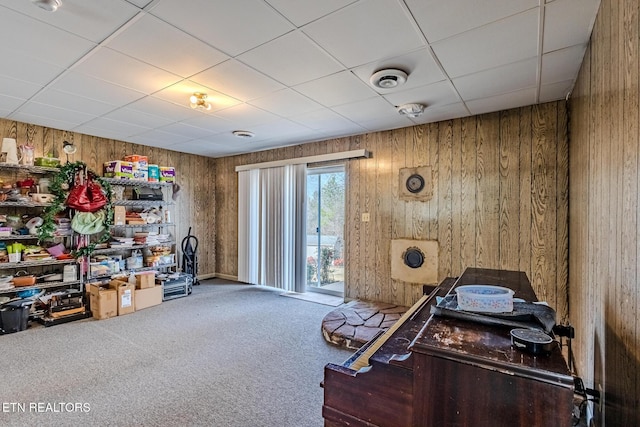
415,183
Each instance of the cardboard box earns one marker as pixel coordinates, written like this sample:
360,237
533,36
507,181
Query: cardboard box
119,215
148,297
118,169
145,279
103,301
126,296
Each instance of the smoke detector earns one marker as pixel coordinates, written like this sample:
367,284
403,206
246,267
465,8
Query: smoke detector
48,5
411,110
388,78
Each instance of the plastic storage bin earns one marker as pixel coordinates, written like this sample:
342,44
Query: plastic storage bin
14,317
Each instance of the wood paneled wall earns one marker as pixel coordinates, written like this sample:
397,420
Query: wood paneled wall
195,204
500,200
604,200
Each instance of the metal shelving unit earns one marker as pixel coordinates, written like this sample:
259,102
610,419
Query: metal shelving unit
29,264
145,226
42,285
142,203
29,169
134,183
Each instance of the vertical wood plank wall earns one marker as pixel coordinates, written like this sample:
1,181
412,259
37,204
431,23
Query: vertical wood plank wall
604,234
195,205
500,200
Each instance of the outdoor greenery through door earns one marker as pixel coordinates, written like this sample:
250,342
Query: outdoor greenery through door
325,229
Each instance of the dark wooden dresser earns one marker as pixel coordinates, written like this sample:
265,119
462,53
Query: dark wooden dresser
469,374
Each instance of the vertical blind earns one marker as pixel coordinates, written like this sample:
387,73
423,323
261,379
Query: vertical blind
271,227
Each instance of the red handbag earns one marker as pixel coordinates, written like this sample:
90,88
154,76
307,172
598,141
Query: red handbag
86,195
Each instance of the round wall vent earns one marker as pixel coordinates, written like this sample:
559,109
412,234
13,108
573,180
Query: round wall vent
413,257
388,78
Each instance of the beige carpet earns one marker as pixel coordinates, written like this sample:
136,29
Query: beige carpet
325,299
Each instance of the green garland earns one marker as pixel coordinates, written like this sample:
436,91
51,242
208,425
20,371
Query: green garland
61,183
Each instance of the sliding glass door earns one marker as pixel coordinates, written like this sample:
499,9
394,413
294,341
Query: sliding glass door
325,229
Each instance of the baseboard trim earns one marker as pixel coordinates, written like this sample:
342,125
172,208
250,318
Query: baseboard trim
225,276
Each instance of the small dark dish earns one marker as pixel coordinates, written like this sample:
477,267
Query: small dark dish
532,341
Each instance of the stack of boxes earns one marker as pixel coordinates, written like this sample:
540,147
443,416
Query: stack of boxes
137,168
118,297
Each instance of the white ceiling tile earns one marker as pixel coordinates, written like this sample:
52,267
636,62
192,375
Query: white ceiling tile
55,113
157,43
446,112
90,19
420,66
212,123
90,87
73,102
508,78
286,103
158,138
321,120
556,91
336,89
158,107
562,64
568,23
354,41
26,68
237,80
197,147
231,26
303,12
51,45
45,121
364,111
502,102
125,129
140,3
392,121
291,59
279,128
114,67
17,88
435,94
129,114
509,40
246,115
10,103
186,130
441,19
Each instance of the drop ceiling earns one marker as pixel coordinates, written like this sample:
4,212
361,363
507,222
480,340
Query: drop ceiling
289,71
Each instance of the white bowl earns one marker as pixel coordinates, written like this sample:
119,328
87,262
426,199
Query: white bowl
485,298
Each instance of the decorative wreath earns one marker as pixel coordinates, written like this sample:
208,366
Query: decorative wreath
64,182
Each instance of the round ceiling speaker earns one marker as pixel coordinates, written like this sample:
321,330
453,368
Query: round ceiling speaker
48,5
388,78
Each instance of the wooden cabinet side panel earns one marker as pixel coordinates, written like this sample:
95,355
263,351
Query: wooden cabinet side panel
449,393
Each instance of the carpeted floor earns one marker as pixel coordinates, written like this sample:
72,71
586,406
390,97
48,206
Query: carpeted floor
228,355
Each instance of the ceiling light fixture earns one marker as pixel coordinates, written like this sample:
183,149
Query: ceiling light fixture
199,100
48,5
243,134
388,78
411,110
